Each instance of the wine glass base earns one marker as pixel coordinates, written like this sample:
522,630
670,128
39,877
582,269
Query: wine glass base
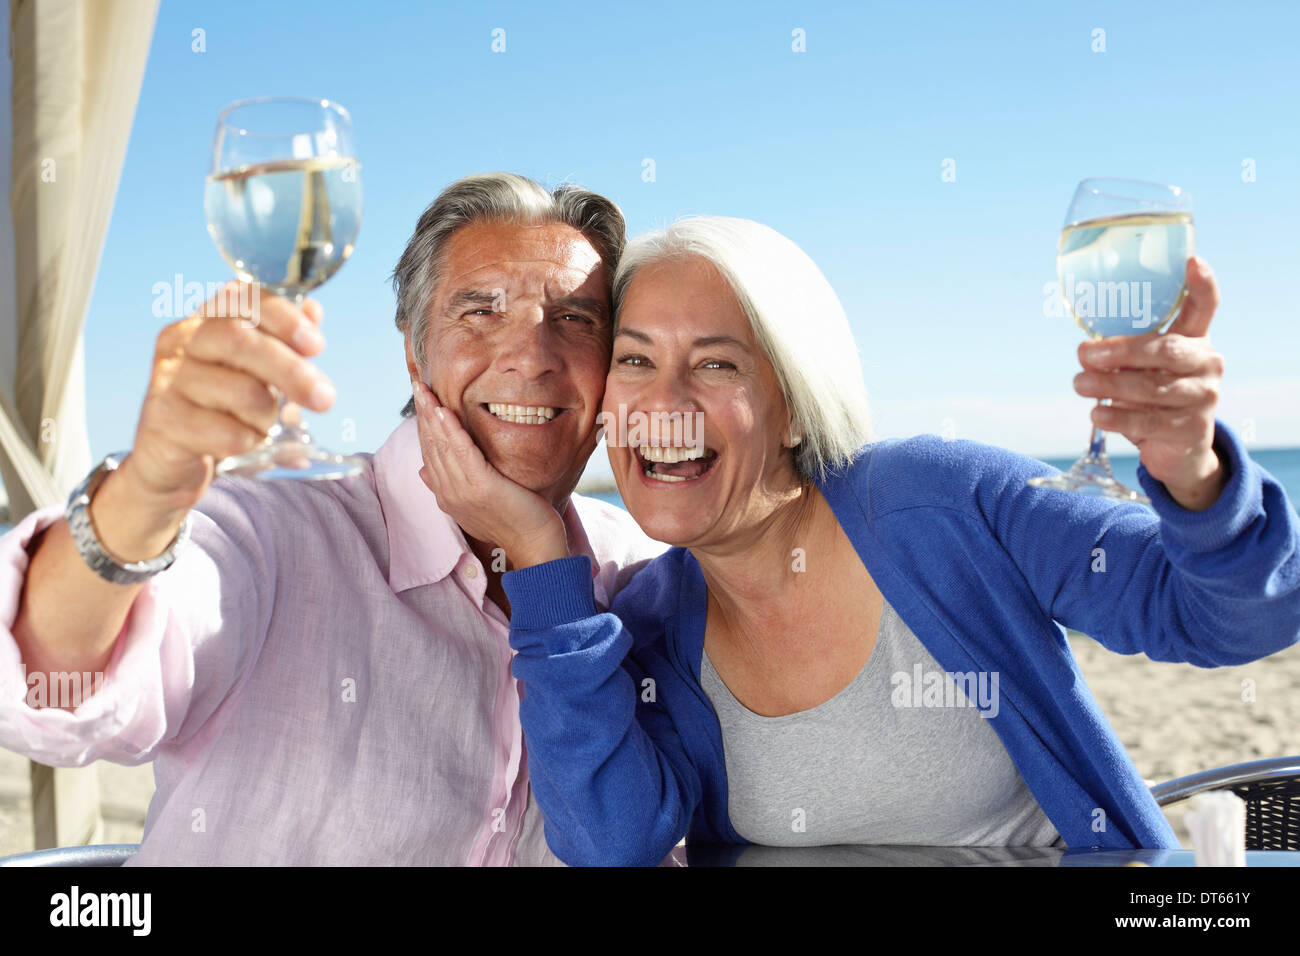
1091,476
291,460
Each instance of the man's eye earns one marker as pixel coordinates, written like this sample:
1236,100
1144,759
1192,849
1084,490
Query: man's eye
577,318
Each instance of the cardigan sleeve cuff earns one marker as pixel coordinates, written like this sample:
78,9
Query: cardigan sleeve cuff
550,594
1240,502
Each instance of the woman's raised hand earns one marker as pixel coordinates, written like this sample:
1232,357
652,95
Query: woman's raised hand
486,504
1163,391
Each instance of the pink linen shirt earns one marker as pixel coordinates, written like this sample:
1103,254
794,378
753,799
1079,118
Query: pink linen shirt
319,678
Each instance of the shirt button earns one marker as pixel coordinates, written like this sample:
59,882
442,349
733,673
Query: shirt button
471,571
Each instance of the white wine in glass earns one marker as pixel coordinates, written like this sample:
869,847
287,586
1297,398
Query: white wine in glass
283,205
1121,263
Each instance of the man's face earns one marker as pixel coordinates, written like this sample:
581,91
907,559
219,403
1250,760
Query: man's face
518,347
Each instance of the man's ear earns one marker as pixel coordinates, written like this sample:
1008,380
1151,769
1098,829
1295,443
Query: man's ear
411,366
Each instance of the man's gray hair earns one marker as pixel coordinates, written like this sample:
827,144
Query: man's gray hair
492,197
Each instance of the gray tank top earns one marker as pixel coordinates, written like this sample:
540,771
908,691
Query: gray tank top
899,756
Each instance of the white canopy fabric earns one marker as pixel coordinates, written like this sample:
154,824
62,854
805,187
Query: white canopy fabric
77,70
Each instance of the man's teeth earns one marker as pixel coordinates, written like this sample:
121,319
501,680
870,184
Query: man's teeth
522,414
671,454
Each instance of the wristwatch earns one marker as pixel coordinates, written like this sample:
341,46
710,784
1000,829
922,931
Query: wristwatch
88,545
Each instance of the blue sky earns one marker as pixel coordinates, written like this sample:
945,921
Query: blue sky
840,147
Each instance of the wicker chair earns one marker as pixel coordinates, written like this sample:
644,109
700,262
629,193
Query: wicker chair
1271,789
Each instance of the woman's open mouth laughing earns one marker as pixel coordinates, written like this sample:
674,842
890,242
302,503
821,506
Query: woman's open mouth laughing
675,463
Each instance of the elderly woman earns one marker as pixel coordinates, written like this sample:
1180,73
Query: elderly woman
855,642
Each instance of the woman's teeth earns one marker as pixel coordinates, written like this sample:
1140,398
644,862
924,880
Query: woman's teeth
522,414
672,453
675,463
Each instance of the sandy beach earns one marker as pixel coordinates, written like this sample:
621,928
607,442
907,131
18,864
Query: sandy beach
1175,719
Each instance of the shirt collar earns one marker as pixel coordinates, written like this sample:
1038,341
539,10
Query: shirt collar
424,543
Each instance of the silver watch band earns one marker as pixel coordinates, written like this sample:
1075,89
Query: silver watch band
88,545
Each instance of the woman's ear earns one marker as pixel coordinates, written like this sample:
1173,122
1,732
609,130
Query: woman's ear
794,436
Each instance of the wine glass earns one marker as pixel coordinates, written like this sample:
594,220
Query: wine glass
1122,264
283,205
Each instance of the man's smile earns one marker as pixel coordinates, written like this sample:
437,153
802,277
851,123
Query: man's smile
522,414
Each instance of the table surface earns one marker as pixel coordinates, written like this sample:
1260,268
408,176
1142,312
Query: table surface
724,855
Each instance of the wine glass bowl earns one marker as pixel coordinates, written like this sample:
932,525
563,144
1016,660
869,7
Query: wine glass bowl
1121,267
283,205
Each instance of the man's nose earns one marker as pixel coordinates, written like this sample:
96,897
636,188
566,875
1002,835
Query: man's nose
528,346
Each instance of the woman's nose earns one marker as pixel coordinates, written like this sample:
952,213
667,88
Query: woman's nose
666,412
669,391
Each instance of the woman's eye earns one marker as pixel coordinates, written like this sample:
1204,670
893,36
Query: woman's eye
719,364
634,360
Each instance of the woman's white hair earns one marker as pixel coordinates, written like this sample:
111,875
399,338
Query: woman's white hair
796,318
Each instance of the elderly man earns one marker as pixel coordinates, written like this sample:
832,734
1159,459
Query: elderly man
321,672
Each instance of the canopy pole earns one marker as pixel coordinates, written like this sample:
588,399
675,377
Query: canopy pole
77,69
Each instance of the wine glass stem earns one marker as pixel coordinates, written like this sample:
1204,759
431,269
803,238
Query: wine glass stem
1097,443
283,430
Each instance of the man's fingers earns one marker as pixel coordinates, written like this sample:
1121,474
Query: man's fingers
276,316
227,390
204,431
1201,302
313,310
266,358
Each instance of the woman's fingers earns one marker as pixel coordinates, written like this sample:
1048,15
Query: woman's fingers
1163,391
1190,428
1171,352
459,464
1184,349
1201,302
1149,388
485,503
446,457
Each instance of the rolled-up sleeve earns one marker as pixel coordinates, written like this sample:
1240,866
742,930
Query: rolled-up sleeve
188,641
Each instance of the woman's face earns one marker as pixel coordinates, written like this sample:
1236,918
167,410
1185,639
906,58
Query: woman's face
688,381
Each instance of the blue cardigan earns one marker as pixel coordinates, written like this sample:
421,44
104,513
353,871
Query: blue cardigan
625,750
